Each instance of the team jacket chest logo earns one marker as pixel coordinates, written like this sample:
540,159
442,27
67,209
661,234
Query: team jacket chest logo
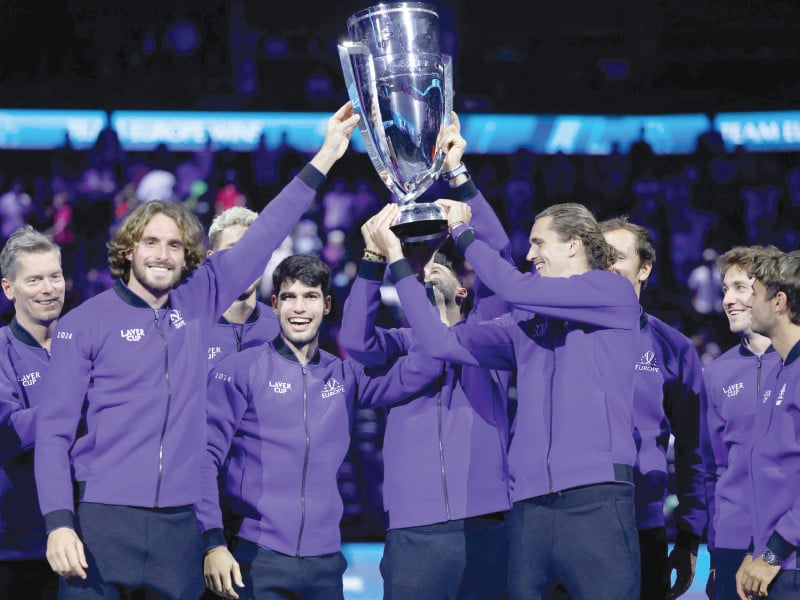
280,387
214,351
176,319
781,394
29,379
536,329
733,389
647,362
331,388
131,335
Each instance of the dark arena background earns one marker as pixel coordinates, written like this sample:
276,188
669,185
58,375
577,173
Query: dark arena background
683,115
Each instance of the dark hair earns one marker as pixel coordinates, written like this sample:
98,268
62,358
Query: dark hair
645,249
440,258
304,268
781,274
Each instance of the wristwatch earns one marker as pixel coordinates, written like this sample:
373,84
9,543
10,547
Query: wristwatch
771,558
448,175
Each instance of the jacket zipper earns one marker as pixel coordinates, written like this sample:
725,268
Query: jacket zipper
305,464
441,456
550,425
166,412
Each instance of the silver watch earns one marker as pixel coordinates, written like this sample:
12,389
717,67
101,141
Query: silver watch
770,557
448,175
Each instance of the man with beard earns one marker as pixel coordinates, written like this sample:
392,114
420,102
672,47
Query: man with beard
124,399
733,388
33,281
667,399
247,322
445,484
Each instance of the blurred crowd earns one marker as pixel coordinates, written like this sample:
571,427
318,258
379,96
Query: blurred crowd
695,206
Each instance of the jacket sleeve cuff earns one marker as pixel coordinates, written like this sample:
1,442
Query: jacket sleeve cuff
370,269
463,237
311,176
59,518
400,268
467,190
779,546
688,540
213,538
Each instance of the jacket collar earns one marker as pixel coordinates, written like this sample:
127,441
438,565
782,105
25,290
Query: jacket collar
254,316
22,334
286,352
131,299
793,354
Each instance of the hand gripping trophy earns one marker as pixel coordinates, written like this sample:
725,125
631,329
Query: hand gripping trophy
401,85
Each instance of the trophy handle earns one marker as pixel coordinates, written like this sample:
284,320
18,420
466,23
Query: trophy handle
348,50
447,120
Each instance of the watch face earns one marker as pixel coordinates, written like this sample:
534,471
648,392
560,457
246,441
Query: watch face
770,558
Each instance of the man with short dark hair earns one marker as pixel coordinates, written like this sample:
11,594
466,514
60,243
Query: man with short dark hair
773,570
33,281
733,385
667,399
446,484
283,413
124,400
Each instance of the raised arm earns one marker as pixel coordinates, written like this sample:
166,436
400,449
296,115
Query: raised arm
596,297
364,342
228,273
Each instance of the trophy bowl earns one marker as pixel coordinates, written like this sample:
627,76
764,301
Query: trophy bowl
401,86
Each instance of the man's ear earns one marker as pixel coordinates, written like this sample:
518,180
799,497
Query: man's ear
328,304
7,288
644,271
275,303
461,293
575,245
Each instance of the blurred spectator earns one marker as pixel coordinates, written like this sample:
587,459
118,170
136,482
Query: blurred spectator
156,185
337,206
15,206
229,195
705,283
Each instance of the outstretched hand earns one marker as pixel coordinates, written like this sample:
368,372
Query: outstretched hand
451,143
379,230
338,131
455,212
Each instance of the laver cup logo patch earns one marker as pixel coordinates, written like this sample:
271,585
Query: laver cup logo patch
131,335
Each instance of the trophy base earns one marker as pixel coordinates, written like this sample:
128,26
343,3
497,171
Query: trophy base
420,222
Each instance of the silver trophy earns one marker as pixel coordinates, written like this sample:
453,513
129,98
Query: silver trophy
401,86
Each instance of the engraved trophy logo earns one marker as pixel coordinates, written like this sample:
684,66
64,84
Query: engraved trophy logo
401,85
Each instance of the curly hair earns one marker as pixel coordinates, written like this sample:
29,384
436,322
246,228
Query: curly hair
571,219
130,233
